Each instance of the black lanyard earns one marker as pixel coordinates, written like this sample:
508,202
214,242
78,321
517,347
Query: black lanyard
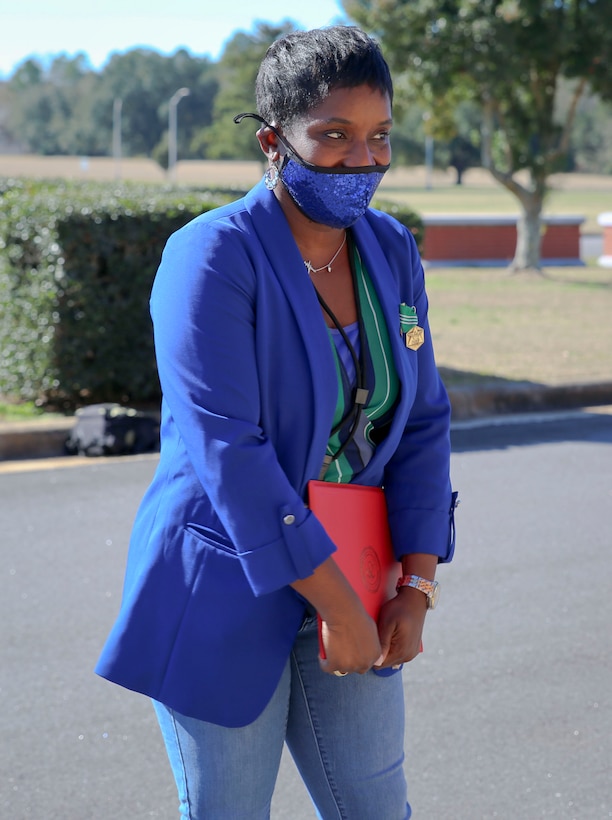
360,393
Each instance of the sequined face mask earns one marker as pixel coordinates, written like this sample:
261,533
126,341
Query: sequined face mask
337,197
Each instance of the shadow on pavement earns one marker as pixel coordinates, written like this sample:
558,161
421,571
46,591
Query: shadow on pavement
589,425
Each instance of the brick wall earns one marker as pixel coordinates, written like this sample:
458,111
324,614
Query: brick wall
491,240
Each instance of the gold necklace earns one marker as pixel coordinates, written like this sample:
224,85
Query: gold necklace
312,270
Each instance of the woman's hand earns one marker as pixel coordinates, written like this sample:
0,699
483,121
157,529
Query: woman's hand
350,642
400,626
350,636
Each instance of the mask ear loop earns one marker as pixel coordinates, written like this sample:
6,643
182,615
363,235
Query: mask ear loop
272,175
239,117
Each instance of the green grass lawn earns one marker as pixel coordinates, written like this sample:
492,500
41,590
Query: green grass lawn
13,411
578,195
555,328
552,329
486,324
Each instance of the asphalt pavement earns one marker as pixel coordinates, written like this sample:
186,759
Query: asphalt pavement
509,708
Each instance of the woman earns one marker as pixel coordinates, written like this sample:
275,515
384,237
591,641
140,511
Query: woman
283,356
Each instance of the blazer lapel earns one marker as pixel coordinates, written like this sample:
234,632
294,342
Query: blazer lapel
388,291
286,263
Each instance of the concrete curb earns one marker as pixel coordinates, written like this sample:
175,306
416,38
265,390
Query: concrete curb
41,438
501,399
44,438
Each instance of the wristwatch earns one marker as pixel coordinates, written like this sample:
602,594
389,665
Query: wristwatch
429,588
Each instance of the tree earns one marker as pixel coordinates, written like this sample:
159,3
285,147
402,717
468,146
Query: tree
146,80
509,56
591,143
456,128
28,74
43,103
196,111
67,108
408,136
237,69
463,155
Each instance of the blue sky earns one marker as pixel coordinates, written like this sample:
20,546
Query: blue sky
41,28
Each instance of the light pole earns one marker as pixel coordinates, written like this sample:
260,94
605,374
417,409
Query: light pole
172,106
429,155
429,149
117,105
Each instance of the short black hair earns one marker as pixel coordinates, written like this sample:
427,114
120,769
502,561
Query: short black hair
300,69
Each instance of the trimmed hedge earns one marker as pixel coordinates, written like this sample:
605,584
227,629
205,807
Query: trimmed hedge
77,261
409,219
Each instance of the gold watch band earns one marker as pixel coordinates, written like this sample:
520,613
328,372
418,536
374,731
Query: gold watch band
429,588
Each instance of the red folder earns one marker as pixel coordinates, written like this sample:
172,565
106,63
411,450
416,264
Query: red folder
355,518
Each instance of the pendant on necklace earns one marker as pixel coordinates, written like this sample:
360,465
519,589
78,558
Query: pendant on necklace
327,267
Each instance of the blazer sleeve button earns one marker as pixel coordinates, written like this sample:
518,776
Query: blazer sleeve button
289,519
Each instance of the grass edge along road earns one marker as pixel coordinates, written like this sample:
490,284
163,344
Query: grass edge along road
486,324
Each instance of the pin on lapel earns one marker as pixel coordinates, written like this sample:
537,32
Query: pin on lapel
414,336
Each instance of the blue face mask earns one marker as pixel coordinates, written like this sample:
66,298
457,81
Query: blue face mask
337,197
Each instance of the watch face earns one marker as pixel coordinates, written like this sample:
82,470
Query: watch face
433,598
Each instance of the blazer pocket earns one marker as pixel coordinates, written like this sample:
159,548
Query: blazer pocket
228,641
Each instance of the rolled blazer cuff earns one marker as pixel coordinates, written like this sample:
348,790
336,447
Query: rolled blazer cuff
425,531
302,547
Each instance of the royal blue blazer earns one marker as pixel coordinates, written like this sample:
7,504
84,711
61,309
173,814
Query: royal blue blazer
208,618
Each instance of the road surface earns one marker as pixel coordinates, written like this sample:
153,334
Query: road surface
509,707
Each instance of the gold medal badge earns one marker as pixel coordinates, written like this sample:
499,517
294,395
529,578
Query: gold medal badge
414,336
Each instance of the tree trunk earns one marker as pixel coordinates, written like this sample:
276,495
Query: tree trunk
528,229
528,239
529,224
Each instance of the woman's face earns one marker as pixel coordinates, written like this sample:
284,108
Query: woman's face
349,128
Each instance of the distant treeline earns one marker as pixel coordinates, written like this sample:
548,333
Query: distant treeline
67,108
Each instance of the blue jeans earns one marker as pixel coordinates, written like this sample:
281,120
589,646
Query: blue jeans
345,735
